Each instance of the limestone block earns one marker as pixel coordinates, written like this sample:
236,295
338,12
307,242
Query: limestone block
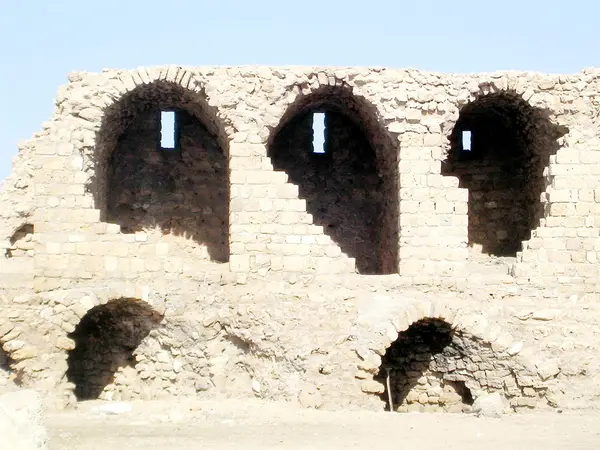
310,398
372,387
391,332
548,369
26,352
65,343
400,322
515,348
490,405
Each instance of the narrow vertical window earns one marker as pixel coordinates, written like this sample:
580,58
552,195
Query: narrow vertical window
319,133
466,141
167,130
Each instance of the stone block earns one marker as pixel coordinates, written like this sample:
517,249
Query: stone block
372,387
490,405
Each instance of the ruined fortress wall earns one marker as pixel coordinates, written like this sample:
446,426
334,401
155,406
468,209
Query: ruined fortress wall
244,263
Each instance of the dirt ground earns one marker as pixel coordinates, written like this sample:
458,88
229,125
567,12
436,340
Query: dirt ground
253,424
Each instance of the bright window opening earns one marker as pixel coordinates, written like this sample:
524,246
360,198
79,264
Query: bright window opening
319,133
466,141
167,130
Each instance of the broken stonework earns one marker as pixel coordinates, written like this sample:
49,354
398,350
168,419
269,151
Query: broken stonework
253,253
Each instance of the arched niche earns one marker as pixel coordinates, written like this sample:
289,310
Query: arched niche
500,147
162,163
332,145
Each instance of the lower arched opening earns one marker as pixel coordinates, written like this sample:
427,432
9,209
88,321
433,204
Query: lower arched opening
105,341
428,369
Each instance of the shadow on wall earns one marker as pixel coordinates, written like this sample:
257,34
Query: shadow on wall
105,340
183,190
503,167
350,185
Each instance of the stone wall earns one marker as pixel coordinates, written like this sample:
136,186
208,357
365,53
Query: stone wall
288,275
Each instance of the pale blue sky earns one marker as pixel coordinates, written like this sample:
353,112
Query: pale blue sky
42,40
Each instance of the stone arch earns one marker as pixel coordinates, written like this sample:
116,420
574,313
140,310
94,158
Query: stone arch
140,185
476,358
352,189
505,167
105,340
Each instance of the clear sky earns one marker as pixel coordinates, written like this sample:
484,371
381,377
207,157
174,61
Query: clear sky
41,41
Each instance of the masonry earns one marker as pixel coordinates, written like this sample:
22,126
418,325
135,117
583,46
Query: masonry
444,240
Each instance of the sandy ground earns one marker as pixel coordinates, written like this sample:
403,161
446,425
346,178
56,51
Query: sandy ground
252,424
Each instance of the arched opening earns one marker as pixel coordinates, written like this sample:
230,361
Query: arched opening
428,367
345,164
21,242
162,164
105,340
499,149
